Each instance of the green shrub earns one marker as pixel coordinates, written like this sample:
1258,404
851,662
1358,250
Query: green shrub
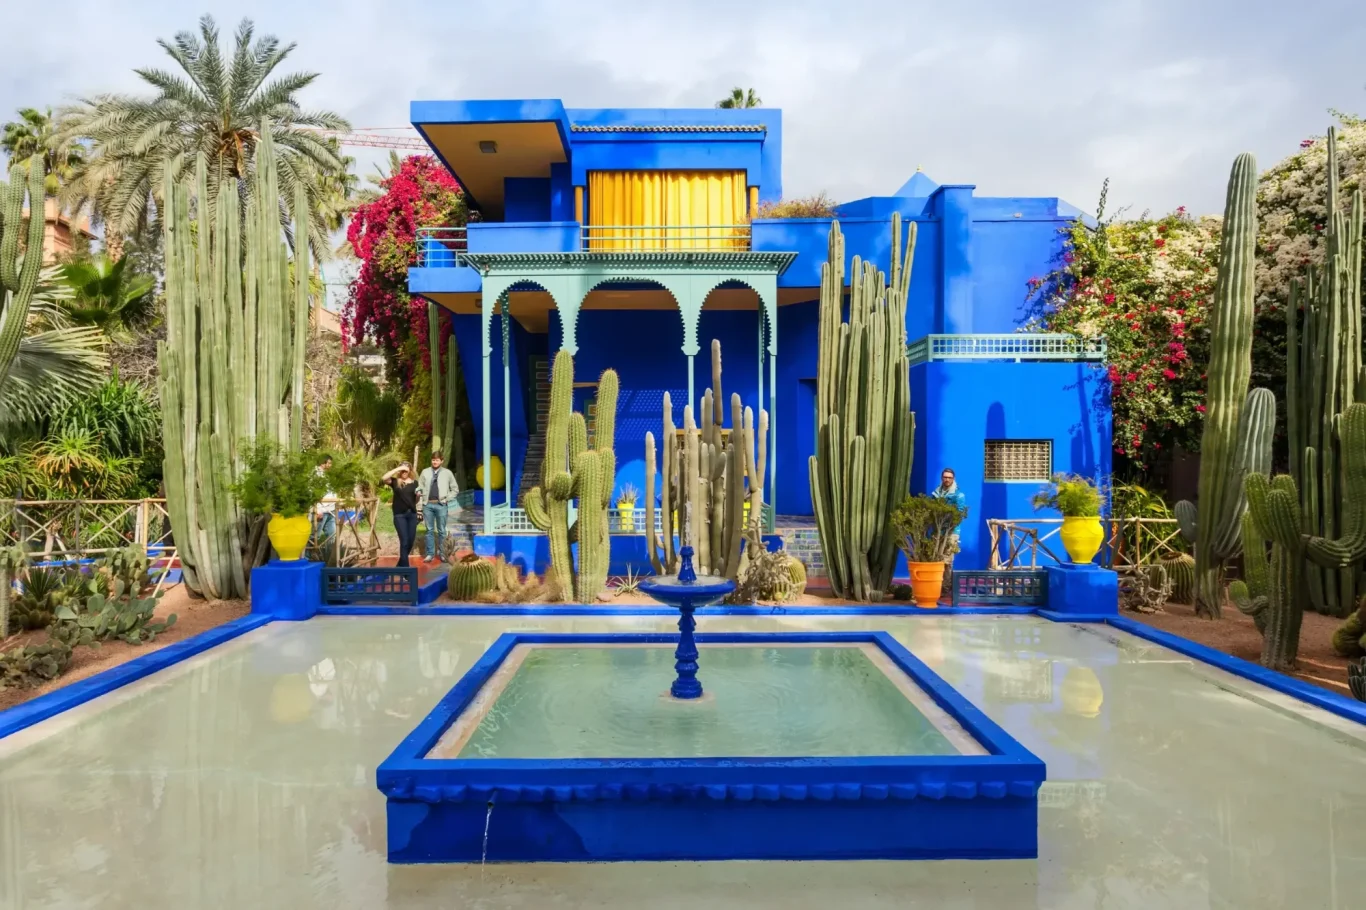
924,526
1072,495
818,206
277,482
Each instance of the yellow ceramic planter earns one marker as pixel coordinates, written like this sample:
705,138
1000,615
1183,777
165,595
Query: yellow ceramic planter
289,536
628,515
1082,537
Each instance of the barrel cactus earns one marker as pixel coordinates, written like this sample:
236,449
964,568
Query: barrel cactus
1181,573
1349,639
865,428
469,577
570,472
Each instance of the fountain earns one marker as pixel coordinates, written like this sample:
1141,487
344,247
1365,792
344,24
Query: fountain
686,592
819,745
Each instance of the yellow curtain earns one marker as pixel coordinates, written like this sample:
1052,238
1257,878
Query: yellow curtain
667,210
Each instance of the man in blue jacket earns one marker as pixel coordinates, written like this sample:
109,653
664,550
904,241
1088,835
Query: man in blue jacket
949,492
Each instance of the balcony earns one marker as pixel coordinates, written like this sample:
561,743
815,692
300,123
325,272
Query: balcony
441,247
1014,346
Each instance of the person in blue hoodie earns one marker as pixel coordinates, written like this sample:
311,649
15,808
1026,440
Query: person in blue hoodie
948,490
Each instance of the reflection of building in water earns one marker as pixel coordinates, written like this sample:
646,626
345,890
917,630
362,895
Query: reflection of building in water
1021,680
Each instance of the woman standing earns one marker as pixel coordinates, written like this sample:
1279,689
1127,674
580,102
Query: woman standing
401,481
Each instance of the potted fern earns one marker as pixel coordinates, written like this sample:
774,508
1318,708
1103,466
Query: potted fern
1079,501
286,486
924,527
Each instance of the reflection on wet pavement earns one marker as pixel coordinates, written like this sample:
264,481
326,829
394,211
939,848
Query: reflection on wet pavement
245,778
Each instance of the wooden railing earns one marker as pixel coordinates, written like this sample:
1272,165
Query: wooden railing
1030,543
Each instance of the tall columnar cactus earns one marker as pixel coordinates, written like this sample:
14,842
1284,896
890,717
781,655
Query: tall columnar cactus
19,271
866,431
573,472
1272,593
712,489
232,362
434,359
1223,453
1324,377
12,562
1347,551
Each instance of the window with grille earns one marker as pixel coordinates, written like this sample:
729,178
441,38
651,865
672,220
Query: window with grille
1018,459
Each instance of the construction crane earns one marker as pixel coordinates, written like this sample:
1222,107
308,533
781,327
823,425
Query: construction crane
370,137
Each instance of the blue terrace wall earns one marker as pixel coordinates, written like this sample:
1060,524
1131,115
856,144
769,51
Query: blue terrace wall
959,405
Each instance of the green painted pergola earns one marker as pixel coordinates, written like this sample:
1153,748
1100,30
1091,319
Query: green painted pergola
688,275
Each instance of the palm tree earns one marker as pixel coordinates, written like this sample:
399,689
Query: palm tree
35,133
216,105
104,295
740,97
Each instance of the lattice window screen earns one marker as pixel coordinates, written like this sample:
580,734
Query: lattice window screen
1018,459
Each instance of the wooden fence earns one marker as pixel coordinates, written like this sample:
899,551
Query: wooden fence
1030,543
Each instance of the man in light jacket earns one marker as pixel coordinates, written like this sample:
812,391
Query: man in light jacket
436,491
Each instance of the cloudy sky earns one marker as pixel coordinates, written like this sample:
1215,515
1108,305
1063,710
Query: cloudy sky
1020,97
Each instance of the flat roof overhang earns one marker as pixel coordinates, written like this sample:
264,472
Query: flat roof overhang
529,136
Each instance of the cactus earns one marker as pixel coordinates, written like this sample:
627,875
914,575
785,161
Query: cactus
1273,509
1349,639
231,367
709,484
19,281
1324,377
12,562
570,471
470,577
1225,446
33,665
1181,571
796,571
866,431
1249,594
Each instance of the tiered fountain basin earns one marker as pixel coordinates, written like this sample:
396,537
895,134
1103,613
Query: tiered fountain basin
805,746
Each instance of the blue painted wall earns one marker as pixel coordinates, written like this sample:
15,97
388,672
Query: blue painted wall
961,404
527,199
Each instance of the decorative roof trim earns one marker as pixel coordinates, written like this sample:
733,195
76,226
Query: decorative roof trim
667,128
661,260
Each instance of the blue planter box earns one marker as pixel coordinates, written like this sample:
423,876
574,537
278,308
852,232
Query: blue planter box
898,807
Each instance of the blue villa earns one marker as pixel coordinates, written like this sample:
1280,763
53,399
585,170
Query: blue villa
627,237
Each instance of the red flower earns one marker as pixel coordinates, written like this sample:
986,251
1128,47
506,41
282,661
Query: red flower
1200,408
1169,374
1109,298
1159,243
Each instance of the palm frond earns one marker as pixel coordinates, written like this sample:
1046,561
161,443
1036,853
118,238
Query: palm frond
51,367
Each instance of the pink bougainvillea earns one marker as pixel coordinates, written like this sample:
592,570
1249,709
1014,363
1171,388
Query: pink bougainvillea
1144,286
383,235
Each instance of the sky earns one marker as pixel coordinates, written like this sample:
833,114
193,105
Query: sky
1019,97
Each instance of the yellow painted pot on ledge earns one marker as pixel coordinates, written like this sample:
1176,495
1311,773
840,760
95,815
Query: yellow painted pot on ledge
628,516
927,582
1082,537
289,536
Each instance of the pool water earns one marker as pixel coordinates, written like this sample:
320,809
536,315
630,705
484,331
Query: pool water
771,701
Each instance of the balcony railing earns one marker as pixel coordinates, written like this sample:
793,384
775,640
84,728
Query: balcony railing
712,238
438,247
1015,346
505,520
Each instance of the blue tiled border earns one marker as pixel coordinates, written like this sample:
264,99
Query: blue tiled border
77,693
640,610
920,806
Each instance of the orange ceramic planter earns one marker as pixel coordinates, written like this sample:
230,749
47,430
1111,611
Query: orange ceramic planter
927,582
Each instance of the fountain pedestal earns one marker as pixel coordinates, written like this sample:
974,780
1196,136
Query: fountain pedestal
686,592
